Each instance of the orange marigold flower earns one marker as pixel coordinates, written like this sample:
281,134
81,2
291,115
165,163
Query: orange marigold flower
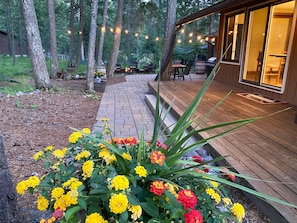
130,141
193,216
187,198
157,157
157,187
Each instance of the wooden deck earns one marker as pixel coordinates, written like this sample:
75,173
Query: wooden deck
266,149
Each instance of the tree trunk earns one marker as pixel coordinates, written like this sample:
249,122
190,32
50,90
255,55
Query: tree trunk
102,35
169,41
92,42
10,32
71,34
41,77
116,42
9,212
80,33
53,40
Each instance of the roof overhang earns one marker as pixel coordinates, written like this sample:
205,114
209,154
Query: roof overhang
217,8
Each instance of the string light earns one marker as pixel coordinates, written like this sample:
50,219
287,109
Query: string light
69,32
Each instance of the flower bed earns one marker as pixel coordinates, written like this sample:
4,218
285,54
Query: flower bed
126,180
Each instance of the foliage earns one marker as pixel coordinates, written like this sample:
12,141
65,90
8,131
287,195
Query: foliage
125,180
99,178
99,73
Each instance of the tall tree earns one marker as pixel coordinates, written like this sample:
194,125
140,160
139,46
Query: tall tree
116,42
92,43
169,40
102,33
80,34
53,39
71,33
10,32
41,77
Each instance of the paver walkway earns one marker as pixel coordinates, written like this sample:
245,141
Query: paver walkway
123,104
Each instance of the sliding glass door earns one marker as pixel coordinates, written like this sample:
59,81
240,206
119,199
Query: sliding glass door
267,44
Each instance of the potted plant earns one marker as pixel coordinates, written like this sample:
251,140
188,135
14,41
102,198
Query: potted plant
98,75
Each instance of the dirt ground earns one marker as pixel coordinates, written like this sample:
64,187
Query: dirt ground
31,122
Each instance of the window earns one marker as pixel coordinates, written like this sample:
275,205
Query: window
234,30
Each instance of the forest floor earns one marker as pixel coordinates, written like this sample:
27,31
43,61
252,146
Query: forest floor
31,122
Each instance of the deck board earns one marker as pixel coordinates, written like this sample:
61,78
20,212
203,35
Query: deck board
265,149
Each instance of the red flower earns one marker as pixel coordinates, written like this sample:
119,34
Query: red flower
130,141
197,159
230,176
157,157
157,187
58,213
162,145
193,216
187,198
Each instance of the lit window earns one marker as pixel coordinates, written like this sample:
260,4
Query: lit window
234,30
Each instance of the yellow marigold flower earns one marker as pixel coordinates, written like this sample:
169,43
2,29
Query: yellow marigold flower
120,182
22,187
136,211
42,220
42,203
71,198
110,159
51,220
95,217
33,181
107,156
88,168
141,171
127,156
38,155
215,196
238,211
118,203
227,201
214,184
60,203
49,148
57,192
104,151
86,131
83,154
59,153
104,119
72,183
74,137
171,188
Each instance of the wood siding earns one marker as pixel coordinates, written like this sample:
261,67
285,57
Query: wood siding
229,73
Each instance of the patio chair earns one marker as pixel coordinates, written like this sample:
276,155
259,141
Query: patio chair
185,72
118,68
